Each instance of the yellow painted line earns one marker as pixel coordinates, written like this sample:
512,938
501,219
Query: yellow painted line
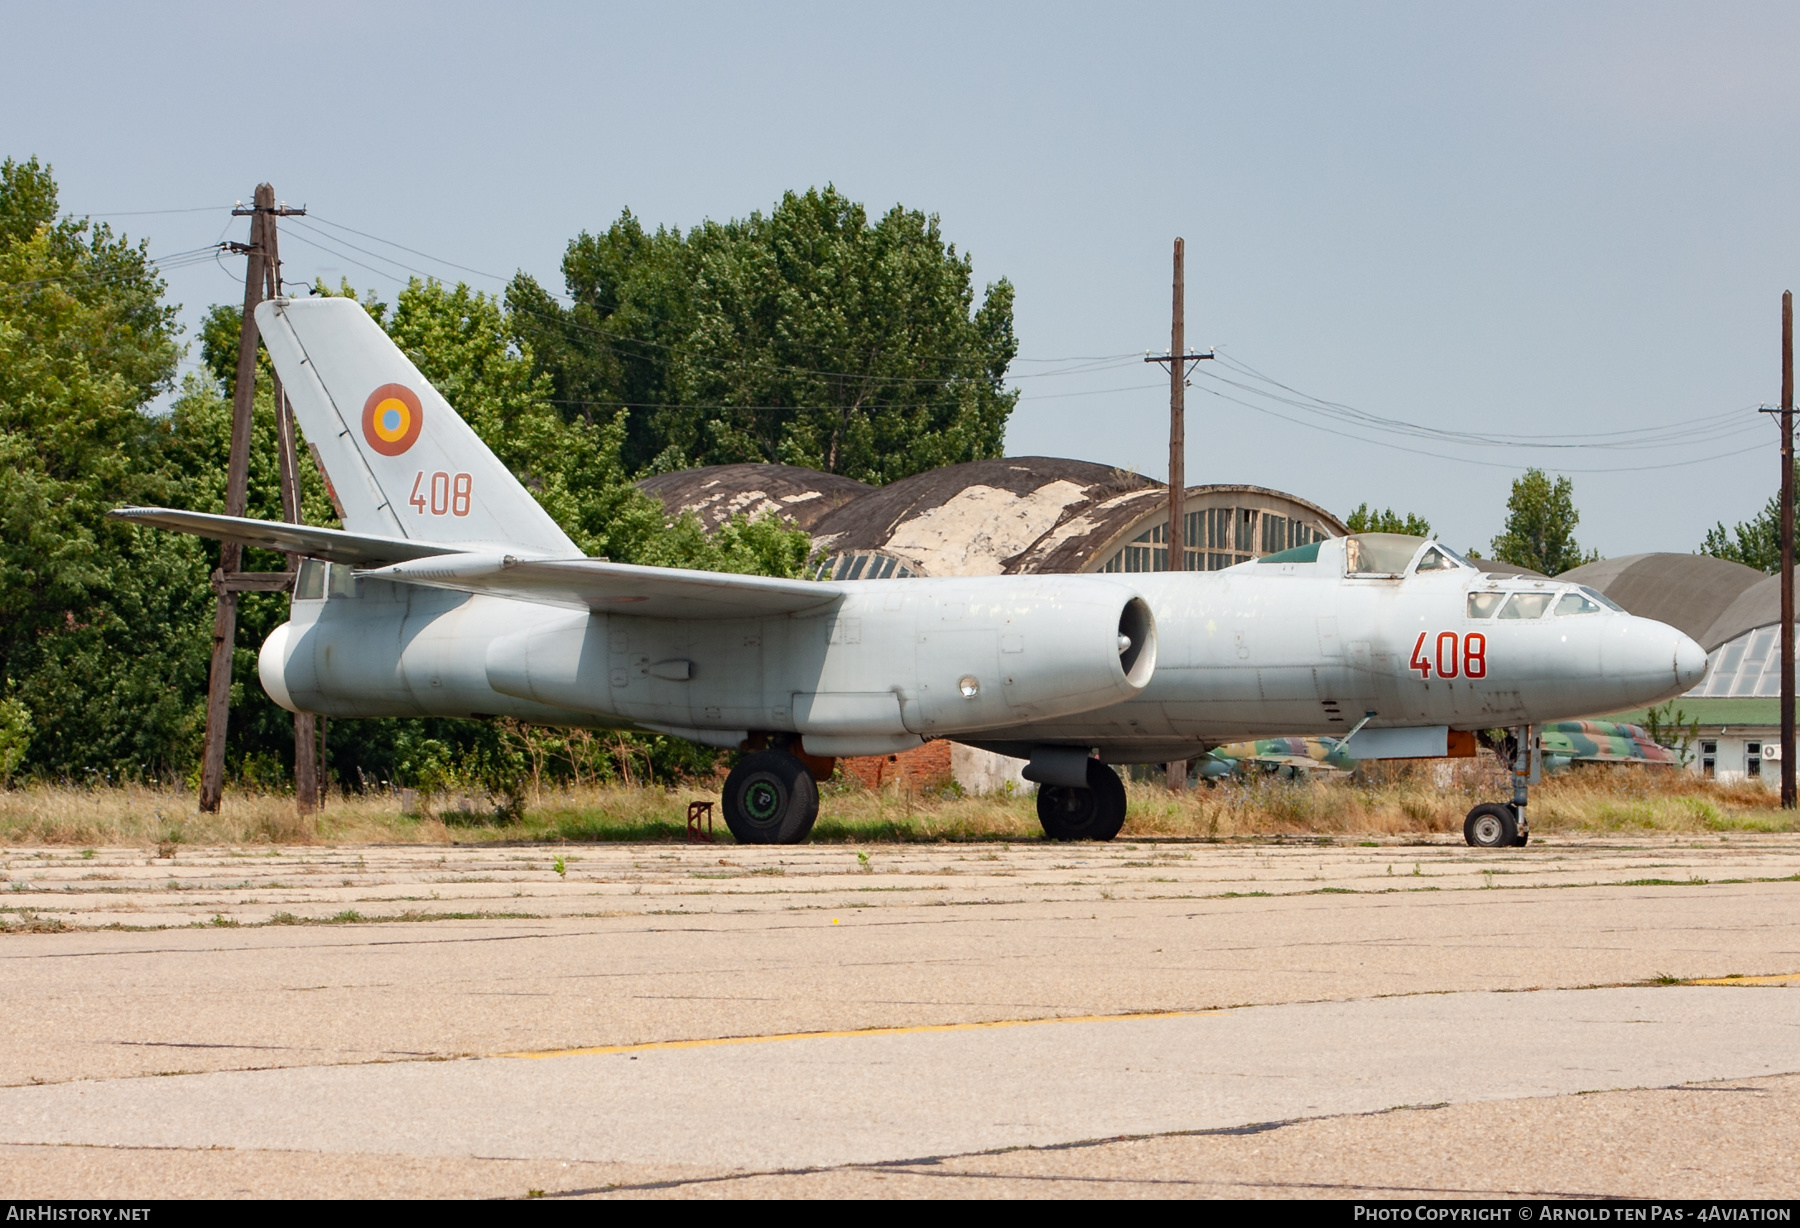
1784,978
712,1042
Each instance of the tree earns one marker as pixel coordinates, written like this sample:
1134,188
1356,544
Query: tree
1754,543
103,627
808,336
1366,520
1540,525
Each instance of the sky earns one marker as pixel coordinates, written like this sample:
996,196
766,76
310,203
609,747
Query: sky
1540,224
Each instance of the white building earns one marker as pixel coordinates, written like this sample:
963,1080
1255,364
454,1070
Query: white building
1734,612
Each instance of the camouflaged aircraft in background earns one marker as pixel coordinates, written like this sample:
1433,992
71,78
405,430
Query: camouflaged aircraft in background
1567,742
1294,755
1561,744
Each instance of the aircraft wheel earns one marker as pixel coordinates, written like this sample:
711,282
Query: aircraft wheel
1491,826
1094,813
770,798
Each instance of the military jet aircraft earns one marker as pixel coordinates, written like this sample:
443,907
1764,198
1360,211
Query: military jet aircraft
450,592
1559,743
1295,756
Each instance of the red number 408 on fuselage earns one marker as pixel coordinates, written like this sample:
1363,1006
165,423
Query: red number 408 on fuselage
1451,649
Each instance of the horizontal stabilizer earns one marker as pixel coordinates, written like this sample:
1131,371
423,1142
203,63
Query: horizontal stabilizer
616,588
332,545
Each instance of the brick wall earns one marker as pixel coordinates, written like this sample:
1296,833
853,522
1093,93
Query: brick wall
927,766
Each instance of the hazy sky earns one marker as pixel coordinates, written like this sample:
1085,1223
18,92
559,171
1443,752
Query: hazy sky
1526,221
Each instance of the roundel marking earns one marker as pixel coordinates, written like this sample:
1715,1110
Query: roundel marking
391,419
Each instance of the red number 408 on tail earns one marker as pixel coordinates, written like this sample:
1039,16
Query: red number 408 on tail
1450,655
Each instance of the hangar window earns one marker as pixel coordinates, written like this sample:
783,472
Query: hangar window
1274,533
1526,605
1215,538
1749,666
862,565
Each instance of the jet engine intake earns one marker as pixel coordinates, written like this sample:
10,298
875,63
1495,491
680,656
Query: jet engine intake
1074,648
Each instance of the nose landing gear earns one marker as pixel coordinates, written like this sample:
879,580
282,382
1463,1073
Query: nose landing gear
1494,825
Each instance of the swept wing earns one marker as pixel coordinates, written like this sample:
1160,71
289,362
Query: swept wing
332,545
582,583
616,588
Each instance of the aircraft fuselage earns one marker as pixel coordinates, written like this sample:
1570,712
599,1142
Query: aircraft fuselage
1006,661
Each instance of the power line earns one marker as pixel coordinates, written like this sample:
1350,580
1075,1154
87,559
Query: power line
1464,459
1657,436
1651,438
1084,362
427,255
158,212
175,260
565,321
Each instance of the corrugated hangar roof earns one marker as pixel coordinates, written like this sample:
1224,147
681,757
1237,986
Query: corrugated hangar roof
1712,600
982,517
990,517
720,491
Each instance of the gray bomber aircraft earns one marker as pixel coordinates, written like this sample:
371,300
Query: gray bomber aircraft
450,592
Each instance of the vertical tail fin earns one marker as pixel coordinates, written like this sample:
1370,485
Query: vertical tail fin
402,462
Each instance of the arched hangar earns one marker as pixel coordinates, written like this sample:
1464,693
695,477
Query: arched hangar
1016,515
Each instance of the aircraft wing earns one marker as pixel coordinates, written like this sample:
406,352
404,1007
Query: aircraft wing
332,545
617,588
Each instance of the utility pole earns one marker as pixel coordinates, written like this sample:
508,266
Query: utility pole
1787,550
262,275
1180,363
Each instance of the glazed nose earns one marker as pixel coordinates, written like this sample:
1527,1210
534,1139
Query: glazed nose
1690,663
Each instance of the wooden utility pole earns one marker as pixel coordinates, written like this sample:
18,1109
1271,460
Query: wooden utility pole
306,750
261,276
1787,550
1178,416
1179,361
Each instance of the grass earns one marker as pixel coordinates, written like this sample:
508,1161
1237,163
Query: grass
1392,800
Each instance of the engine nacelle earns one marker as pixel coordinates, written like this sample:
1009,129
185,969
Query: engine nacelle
1055,648
892,660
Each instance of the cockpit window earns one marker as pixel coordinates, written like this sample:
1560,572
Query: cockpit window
1483,605
1603,599
1526,605
1576,603
1379,554
1434,559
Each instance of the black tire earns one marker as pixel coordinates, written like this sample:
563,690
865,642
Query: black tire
1492,825
1094,813
770,798
1521,840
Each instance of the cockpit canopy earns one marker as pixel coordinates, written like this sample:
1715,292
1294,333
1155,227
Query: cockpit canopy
1390,554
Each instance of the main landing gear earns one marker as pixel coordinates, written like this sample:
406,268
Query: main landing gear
1094,813
772,797
1496,825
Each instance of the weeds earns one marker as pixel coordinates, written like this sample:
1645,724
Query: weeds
1382,800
